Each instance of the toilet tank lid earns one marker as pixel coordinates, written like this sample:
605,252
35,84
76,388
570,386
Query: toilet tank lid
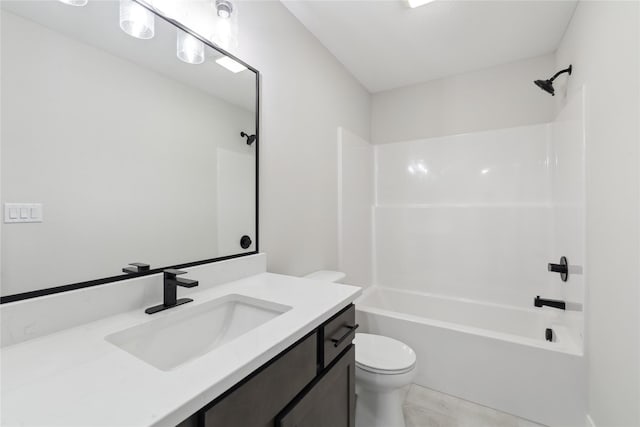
326,275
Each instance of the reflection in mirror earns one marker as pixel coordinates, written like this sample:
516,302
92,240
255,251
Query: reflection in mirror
118,149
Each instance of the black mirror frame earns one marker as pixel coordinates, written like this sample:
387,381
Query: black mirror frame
79,285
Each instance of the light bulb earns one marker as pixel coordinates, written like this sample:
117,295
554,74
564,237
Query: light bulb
190,49
74,2
136,20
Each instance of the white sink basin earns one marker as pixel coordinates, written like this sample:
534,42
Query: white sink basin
176,338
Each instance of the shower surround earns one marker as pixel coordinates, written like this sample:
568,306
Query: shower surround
467,215
462,228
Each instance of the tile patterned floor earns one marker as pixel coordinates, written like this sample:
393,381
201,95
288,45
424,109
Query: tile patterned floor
424,407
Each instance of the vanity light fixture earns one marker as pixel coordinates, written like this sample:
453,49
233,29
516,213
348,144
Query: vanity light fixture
416,3
190,49
230,64
74,2
224,8
136,20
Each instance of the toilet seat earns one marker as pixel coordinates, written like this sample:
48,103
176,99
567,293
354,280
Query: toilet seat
383,355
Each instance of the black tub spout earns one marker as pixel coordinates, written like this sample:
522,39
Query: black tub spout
540,302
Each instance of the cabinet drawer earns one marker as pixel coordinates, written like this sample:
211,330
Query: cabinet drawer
329,401
338,333
257,401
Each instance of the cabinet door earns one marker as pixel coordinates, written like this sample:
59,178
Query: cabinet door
257,401
328,401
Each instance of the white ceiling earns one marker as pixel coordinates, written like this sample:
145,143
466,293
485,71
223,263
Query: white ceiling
385,44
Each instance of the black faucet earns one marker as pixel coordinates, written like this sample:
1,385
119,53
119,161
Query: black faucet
539,302
171,283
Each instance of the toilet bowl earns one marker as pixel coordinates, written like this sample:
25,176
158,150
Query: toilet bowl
383,367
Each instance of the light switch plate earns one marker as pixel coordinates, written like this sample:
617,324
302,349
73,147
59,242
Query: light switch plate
22,212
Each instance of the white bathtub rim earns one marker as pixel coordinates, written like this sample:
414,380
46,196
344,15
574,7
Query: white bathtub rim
372,289
568,346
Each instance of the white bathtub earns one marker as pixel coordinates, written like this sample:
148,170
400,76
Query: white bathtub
491,354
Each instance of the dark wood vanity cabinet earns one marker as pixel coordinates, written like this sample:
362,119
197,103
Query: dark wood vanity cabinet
329,401
311,384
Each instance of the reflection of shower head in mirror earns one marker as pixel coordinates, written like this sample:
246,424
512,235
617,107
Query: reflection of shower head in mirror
250,138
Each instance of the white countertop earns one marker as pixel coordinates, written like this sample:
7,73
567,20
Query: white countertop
76,378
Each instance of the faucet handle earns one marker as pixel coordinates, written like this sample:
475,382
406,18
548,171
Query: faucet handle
136,267
562,268
187,283
172,272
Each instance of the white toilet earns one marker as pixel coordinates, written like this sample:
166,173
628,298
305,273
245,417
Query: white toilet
383,367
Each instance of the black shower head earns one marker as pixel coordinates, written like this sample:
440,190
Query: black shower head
547,85
250,138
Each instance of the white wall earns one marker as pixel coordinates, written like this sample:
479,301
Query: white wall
306,94
110,189
602,43
355,208
493,98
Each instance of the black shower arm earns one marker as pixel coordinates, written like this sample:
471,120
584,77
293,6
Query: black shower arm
566,70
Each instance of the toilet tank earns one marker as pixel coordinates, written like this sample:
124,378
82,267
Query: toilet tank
326,275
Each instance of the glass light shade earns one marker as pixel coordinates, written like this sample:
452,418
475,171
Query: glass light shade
135,20
190,49
74,2
225,26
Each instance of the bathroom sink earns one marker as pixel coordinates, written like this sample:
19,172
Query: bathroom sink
186,334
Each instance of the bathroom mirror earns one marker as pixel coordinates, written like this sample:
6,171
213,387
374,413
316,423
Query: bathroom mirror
115,150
